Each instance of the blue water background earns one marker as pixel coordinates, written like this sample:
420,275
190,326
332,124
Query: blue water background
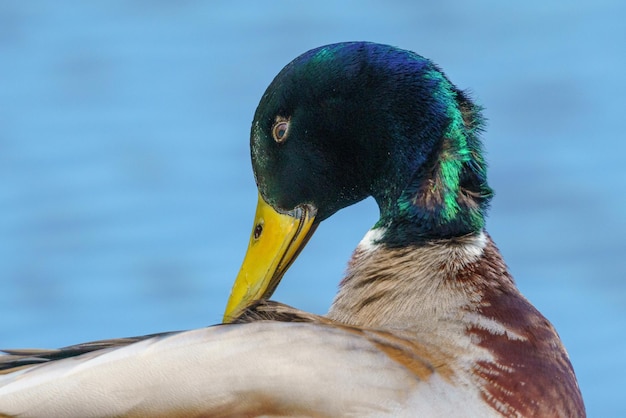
126,193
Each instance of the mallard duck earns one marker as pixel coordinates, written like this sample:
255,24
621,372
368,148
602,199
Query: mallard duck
427,320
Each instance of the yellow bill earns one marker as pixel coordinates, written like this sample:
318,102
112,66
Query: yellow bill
275,242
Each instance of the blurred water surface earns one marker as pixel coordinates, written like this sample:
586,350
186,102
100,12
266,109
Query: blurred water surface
126,194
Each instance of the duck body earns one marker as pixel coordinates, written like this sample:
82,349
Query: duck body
427,320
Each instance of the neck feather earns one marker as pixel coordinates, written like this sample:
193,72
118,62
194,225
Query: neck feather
447,195
404,286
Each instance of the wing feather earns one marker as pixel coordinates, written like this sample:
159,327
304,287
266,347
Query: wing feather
256,368
263,368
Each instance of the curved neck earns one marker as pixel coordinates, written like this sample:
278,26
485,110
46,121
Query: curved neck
447,195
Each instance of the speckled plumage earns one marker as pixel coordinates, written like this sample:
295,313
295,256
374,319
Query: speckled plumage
427,321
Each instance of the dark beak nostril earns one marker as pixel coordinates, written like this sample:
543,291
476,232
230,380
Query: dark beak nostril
258,230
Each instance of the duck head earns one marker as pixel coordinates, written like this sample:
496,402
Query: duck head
350,120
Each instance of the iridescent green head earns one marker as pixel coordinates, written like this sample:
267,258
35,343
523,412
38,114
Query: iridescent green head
356,119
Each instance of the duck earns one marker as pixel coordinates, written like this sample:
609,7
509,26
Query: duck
427,321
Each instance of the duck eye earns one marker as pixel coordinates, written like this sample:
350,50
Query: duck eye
279,131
